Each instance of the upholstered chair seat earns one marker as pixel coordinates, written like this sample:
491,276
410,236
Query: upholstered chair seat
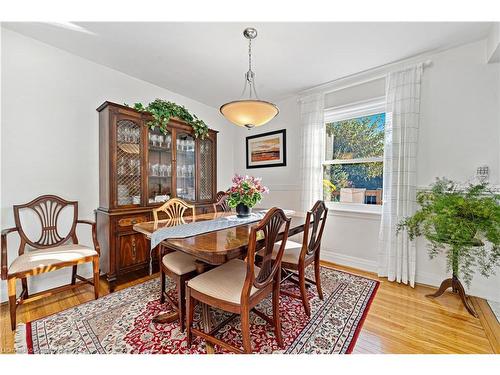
291,254
179,263
44,259
224,282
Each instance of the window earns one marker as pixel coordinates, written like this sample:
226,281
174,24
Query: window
354,150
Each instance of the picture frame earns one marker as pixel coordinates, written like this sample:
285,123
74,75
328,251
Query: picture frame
266,150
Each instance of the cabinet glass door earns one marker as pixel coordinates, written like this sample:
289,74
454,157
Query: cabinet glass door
186,171
159,166
128,163
207,171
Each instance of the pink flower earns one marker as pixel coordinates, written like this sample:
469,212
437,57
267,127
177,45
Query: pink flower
254,185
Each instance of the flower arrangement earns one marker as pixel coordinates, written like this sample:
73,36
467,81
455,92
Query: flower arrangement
245,191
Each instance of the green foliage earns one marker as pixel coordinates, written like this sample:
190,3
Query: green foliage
465,222
162,111
353,139
329,187
359,137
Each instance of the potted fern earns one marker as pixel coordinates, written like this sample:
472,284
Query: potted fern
464,222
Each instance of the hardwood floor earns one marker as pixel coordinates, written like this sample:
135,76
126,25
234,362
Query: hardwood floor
401,319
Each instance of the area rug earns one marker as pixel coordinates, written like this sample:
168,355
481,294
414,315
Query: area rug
122,323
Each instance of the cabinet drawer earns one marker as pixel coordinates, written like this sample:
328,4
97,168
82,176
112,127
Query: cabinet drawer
127,222
132,250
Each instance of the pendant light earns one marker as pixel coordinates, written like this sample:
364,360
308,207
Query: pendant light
249,112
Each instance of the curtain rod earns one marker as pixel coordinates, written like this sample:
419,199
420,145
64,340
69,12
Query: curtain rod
372,74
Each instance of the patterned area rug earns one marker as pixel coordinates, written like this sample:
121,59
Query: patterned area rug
121,322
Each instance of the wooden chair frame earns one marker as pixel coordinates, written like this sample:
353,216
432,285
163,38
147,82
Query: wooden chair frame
310,253
221,204
174,208
267,281
47,208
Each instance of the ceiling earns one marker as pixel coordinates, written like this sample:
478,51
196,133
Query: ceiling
207,61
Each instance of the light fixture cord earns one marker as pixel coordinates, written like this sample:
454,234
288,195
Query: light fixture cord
249,55
250,75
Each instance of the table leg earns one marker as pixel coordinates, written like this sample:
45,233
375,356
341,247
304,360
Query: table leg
207,326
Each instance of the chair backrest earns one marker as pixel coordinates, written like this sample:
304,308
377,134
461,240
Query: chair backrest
47,209
266,230
313,232
220,204
174,208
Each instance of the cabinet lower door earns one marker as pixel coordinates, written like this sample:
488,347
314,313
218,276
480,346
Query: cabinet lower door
133,250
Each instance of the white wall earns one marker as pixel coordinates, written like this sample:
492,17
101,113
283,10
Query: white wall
50,130
459,131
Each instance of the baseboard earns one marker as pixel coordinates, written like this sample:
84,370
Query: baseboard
349,261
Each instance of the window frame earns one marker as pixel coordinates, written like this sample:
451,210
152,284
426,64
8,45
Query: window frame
346,112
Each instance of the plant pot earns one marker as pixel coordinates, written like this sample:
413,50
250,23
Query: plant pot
243,210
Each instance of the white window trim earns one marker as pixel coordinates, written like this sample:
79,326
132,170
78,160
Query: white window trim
356,109
357,208
346,112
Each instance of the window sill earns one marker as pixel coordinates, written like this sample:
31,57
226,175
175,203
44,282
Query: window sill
355,208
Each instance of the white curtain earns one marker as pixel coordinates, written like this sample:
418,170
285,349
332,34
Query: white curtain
396,253
312,108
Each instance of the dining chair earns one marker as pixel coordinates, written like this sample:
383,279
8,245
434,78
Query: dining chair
178,266
174,209
221,204
50,251
239,285
298,256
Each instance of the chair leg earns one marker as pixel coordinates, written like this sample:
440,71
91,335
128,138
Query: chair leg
190,314
95,266
24,282
245,329
11,286
276,313
317,278
303,290
181,301
73,275
163,284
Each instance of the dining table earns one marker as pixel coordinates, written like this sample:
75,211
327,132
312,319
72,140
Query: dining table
212,248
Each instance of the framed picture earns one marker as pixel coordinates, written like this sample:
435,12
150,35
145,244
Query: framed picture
266,149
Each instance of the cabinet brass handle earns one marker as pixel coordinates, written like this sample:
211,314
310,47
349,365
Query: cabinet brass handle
134,249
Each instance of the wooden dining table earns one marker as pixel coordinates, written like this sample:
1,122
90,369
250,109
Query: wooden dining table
212,248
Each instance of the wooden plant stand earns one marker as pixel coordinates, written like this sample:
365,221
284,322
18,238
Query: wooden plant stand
457,287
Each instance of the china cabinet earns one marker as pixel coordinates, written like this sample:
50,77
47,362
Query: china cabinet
139,169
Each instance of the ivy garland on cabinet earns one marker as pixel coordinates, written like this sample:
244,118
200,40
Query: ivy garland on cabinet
163,110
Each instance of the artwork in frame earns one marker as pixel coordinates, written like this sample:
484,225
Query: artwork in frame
266,149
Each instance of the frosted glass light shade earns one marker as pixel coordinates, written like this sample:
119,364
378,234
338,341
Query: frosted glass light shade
249,112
